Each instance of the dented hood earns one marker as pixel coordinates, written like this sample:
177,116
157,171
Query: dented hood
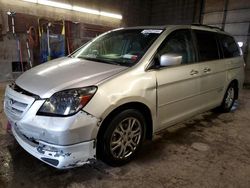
65,73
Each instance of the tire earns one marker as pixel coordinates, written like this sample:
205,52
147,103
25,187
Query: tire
120,142
229,98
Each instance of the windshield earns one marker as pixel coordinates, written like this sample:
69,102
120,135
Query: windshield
121,47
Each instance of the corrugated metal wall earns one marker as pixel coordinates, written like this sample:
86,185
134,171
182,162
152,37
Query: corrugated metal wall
175,12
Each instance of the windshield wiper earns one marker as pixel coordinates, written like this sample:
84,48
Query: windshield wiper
100,60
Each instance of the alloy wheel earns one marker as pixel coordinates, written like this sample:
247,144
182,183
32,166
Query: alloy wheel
125,138
230,97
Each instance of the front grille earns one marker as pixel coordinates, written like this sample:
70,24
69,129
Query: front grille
15,107
17,102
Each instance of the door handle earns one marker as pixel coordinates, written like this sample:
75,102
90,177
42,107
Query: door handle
206,70
194,72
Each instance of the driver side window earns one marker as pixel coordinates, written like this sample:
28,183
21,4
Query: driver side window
180,43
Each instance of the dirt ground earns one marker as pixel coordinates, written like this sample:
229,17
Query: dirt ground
210,150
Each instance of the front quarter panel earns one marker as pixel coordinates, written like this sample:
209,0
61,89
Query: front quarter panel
135,85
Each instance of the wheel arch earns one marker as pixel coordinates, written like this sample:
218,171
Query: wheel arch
144,109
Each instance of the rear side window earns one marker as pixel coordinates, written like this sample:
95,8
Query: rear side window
207,45
229,46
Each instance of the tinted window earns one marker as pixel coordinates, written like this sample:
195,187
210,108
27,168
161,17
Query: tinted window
179,42
207,45
229,47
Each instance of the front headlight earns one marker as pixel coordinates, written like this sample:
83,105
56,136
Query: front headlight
67,102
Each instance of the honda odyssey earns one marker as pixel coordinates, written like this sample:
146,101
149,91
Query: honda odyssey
121,88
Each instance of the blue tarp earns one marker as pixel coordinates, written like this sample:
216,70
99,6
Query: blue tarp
57,47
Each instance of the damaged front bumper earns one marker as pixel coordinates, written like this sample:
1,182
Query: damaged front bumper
61,157
62,142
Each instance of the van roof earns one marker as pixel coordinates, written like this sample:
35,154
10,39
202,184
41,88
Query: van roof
192,26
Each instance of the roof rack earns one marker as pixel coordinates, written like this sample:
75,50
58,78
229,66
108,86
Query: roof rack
208,26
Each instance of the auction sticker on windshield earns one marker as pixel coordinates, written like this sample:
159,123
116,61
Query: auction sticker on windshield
151,31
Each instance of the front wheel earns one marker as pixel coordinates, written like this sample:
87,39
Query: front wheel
229,98
123,137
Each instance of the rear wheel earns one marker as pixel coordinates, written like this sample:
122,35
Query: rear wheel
123,137
229,98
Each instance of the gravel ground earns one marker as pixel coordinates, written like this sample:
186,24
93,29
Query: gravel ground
209,150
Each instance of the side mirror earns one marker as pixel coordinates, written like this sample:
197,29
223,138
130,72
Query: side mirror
170,60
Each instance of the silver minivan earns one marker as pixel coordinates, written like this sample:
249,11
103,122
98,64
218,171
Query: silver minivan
121,88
